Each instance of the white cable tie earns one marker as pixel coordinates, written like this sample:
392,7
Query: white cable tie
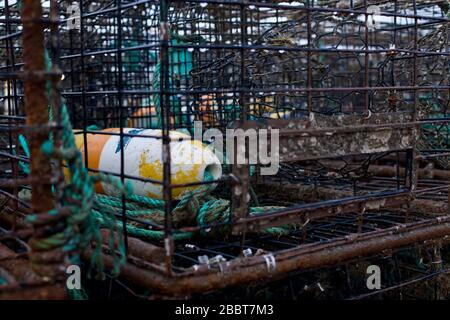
271,263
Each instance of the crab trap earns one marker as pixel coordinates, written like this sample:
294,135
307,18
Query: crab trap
322,129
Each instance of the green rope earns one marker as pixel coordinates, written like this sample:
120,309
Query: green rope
23,142
195,207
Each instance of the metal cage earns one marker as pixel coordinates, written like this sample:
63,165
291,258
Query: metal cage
358,92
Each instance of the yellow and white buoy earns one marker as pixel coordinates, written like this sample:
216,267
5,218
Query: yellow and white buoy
191,160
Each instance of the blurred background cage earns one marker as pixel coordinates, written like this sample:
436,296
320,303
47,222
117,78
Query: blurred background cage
359,91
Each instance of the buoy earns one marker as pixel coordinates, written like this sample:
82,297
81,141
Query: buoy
191,160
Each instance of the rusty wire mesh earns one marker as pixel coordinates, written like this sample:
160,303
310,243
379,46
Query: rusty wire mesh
370,101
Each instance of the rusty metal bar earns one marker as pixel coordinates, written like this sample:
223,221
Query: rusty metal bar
45,263
165,106
240,271
36,103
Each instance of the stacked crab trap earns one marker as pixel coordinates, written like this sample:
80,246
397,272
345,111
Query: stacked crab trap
185,147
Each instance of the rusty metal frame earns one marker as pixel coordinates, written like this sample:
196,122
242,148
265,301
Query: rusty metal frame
32,274
245,270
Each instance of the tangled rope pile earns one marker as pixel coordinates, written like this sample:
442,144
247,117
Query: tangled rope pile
195,207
